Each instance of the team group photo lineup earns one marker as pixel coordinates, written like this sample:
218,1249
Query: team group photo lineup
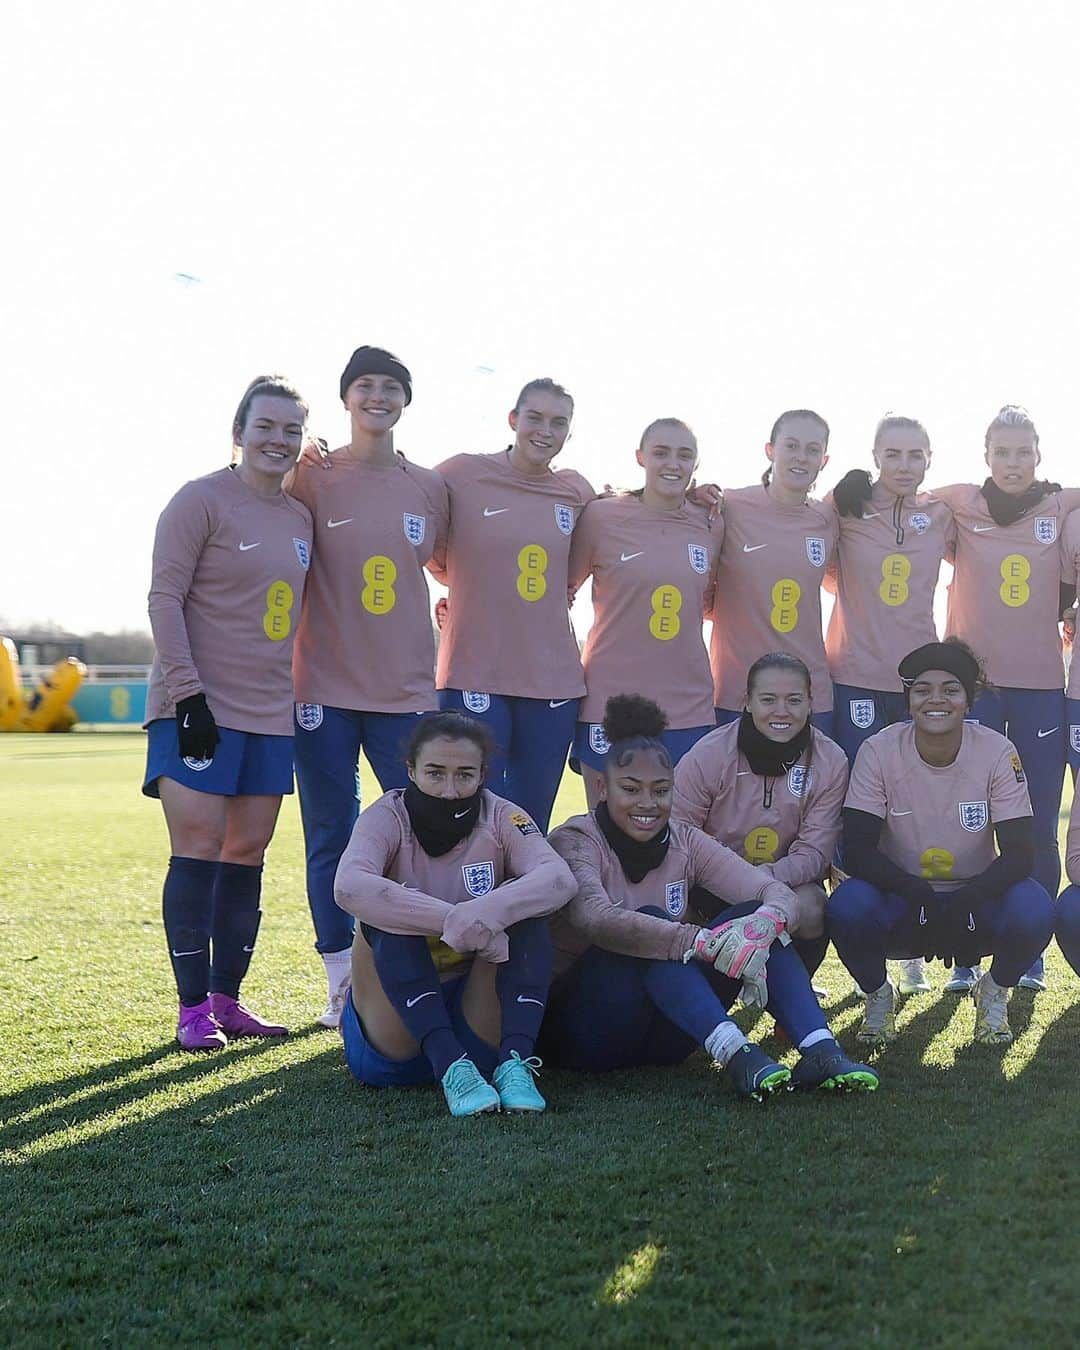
751,796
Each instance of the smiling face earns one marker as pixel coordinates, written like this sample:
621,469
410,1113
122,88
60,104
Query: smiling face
798,455
669,455
938,703
375,402
272,435
541,425
447,766
1013,458
638,793
902,459
779,703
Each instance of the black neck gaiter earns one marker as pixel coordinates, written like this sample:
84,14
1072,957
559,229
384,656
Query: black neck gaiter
637,857
440,822
770,759
1007,508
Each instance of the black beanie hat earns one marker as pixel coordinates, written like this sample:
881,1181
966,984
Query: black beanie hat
376,361
949,656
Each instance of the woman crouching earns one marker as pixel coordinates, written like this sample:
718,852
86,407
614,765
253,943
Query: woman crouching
440,874
642,986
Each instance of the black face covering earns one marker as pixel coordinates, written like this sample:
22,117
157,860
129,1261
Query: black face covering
770,759
637,857
440,822
1007,508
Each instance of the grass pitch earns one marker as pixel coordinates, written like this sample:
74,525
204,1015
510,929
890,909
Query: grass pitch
257,1196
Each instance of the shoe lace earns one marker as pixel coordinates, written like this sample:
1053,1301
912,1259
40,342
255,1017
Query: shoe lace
533,1063
993,1004
463,1075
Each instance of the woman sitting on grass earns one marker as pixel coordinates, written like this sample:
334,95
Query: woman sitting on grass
440,874
642,986
770,787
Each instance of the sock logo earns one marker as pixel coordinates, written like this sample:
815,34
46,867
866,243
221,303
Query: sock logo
409,1002
522,999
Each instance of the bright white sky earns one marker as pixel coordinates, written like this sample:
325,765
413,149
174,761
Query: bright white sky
714,211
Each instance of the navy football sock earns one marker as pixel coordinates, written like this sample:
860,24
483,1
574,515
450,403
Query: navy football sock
522,984
234,925
186,904
411,983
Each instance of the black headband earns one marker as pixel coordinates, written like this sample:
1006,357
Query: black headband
376,361
948,656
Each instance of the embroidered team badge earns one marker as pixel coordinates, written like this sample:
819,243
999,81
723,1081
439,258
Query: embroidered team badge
799,779
1017,767
479,878
1046,529
564,518
598,742
675,898
862,712
309,716
303,552
815,549
1074,739
476,703
699,558
973,816
414,527
522,823
196,765
919,522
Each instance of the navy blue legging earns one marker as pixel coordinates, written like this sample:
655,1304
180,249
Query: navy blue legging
617,1012
1067,928
868,926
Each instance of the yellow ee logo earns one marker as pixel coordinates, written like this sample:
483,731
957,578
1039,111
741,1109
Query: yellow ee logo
379,575
532,564
895,571
1015,573
277,621
784,615
936,863
664,623
761,845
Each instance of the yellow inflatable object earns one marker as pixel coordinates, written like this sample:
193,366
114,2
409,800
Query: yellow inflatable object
47,704
11,694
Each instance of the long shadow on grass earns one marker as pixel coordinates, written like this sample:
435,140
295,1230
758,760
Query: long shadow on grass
37,1112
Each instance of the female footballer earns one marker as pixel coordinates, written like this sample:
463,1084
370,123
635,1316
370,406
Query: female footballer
652,557
507,654
939,844
364,665
231,556
641,984
770,788
777,544
1067,927
452,956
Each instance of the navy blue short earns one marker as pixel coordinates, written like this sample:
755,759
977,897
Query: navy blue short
245,763
590,745
368,1066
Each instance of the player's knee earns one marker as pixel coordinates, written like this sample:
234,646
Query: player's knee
851,905
810,918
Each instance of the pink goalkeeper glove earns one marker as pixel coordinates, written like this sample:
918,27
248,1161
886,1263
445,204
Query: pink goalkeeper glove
739,949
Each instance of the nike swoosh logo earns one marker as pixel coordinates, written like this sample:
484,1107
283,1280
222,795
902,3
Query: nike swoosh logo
625,557
981,529
249,949
871,515
426,994
1041,734
197,952
558,702
495,510
741,773
244,547
900,813
459,814
522,999
753,548
187,721
333,524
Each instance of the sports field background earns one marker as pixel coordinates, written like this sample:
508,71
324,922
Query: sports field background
259,1197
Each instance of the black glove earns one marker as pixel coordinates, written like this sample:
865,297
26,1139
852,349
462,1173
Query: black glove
918,892
852,493
196,729
960,921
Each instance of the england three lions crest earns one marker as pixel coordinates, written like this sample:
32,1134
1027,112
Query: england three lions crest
815,549
919,521
675,897
799,779
475,701
414,528
309,716
564,518
479,878
699,558
1074,738
598,742
973,816
862,713
303,553
1046,529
